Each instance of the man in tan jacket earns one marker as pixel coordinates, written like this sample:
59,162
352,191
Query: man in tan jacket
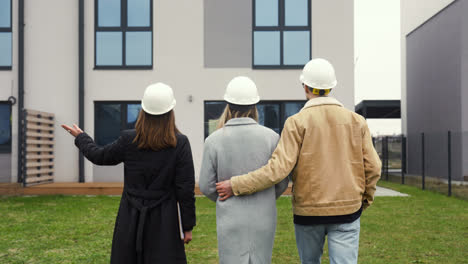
335,170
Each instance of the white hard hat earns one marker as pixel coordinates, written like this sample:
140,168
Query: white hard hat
242,91
319,74
158,99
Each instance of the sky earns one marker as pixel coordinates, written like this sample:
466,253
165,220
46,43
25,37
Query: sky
377,57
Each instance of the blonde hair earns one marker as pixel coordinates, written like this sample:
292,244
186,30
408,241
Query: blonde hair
237,111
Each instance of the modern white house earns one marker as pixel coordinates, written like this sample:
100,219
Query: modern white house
89,61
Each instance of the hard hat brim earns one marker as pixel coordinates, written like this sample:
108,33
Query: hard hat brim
248,102
173,104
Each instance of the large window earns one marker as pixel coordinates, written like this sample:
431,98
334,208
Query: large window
281,33
5,35
5,127
112,117
271,114
124,34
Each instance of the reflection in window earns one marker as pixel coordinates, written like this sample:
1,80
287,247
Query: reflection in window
5,35
272,114
133,110
5,127
107,123
109,48
268,115
267,48
281,33
124,40
138,48
137,13
266,12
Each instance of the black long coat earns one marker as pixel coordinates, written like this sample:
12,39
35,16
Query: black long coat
146,228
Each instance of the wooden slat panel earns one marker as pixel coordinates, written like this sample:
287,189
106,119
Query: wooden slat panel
31,125
40,171
39,149
44,132
39,156
30,141
39,120
45,163
34,112
39,179
35,134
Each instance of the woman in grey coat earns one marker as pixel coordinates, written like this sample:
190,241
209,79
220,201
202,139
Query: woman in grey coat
245,225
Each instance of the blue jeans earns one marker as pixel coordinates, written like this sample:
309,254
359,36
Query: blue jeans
343,242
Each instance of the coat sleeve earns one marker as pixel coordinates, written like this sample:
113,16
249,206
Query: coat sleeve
282,185
185,184
110,154
281,163
372,167
208,173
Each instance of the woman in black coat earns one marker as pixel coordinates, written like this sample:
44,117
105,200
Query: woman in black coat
158,177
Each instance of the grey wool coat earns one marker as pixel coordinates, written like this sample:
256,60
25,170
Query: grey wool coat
245,224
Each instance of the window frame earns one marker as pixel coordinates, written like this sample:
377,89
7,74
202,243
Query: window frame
8,149
281,104
9,30
123,113
124,28
281,28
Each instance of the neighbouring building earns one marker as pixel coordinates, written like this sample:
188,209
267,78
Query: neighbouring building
89,61
436,90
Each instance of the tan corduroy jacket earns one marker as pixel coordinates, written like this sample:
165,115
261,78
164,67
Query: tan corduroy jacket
334,163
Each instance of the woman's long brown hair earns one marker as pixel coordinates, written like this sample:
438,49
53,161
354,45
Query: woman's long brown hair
156,132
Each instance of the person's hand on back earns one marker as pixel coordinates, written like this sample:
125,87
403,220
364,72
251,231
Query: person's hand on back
224,190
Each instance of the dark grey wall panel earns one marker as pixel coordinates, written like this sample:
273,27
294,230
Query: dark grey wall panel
5,167
228,33
464,86
433,91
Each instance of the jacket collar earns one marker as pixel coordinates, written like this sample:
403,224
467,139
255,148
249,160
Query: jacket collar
323,100
240,121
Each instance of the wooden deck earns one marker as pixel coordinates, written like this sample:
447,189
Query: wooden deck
74,188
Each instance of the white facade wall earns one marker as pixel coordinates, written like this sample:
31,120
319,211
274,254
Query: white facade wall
413,14
51,70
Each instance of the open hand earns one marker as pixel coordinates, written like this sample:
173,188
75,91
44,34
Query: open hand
74,131
224,190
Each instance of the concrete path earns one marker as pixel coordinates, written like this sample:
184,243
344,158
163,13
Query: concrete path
387,192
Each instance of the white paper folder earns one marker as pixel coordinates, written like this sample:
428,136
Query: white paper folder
181,230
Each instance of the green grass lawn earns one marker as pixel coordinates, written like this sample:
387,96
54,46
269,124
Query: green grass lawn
424,228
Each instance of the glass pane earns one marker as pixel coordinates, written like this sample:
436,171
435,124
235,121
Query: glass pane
296,47
213,110
266,48
5,13
138,13
268,115
138,48
109,13
5,48
266,12
5,128
296,12
291,108
108,48
132,115
108,123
